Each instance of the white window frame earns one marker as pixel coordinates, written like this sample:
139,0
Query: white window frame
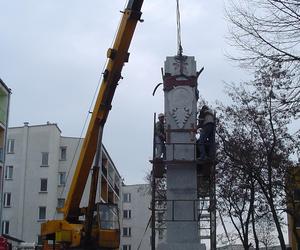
7,199
127,197
41,180
5,227
126,214
45,159
61,178
63,157
11,146
127,230
40,218
9,171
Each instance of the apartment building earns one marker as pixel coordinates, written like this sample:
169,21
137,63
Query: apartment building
4,108
135,231
39,165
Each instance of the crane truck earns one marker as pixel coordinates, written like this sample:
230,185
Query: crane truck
95,226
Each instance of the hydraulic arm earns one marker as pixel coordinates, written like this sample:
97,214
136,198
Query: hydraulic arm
71,231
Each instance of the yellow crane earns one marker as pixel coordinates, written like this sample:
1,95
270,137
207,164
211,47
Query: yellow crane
95,226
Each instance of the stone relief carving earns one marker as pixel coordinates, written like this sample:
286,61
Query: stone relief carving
181,104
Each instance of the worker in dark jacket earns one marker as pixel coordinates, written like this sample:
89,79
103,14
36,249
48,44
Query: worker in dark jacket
160,136
206,122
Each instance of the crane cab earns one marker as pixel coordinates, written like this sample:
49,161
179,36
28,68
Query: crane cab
105,231
106,226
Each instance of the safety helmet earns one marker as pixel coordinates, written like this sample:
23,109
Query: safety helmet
204,107
161,115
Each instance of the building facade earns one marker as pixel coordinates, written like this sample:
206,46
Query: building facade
136,231
40,163
4,111
293,204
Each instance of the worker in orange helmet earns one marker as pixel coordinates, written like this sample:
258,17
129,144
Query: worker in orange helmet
160,137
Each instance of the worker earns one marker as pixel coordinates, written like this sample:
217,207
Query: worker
160,137
206,122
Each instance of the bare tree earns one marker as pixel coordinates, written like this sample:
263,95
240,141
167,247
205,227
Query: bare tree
236,199
265,230
255,140
268,30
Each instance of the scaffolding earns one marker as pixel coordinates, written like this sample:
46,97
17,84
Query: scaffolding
204,206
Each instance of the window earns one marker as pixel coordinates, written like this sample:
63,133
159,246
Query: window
7,200
126,247
42,213
10,146
62,178
9,172
5,227
160,234
44,183
1,155
60,203
63,153
40,240
126,214
297,194
127,197
127,231
45,159
297,222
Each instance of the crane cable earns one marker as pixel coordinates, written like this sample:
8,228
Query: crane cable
179,44
148,224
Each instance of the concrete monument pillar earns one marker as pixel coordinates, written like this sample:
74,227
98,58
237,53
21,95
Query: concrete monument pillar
180,88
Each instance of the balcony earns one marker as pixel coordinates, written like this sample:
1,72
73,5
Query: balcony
3,116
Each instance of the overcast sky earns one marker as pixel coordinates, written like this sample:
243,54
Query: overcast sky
53,52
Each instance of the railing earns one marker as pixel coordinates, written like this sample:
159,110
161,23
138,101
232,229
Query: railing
104,170
171,208
181,151
110,179
117,189
165,212
184,151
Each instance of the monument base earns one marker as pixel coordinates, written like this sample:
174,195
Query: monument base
181,246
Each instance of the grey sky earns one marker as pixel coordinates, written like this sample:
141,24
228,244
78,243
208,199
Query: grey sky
53,51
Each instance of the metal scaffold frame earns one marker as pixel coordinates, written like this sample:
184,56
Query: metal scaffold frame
204,206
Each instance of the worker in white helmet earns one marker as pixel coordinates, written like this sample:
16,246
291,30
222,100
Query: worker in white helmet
160,137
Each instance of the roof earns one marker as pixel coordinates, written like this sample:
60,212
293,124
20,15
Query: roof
5,86
40,125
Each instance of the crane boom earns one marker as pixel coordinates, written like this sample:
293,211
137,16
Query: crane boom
73,232
117,56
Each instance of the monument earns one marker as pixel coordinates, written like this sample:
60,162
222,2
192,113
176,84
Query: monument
181,95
